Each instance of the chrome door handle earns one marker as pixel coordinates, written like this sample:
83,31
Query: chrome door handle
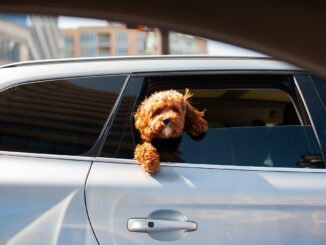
154,225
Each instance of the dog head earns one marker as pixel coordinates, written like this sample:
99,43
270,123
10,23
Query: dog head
166,114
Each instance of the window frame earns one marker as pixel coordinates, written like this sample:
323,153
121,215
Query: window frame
300,101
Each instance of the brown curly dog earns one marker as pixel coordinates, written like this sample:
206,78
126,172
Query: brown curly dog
164,115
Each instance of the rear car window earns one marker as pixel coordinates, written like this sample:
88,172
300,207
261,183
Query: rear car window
62,116
256,121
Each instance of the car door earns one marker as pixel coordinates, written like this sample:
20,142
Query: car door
256,177
47,128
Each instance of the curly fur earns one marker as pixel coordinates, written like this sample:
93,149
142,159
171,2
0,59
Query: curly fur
164,115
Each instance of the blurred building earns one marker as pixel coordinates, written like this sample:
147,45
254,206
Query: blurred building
186,44
35,37
28,37
117,40
104,41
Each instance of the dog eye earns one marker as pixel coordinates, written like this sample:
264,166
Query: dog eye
158,111
175,109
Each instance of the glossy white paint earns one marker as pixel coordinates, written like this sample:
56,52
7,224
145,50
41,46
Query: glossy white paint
230,206
42,200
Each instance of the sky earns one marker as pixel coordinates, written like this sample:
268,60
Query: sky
73,22
224,49
214,48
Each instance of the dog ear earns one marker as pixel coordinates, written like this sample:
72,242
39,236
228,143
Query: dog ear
195,124
141,123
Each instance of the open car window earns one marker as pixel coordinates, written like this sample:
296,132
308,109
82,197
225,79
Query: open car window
226,108
253,121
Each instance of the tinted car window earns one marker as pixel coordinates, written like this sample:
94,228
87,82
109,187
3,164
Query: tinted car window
321,88
56,117
258,125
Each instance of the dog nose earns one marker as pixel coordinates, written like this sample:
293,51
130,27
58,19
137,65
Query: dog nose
166,121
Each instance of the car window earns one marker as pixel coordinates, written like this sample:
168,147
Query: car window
251,123
56,117
321,88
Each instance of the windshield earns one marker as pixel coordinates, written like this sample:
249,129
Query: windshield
39,37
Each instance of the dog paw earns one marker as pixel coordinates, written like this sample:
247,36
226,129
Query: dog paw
147,155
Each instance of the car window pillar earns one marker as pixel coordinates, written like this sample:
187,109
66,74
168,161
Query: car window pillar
314,108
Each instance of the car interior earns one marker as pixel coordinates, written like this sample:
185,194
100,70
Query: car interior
239,101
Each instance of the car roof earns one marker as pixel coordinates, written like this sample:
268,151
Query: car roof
175,62
21,72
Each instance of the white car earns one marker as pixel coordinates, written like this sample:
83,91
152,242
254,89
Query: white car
67,174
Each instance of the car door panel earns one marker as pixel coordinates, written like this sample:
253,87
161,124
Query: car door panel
236,204
232,205
46,124
42,200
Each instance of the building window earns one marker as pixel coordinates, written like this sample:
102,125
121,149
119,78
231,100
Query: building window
68,46
140,43
88,44
104,40
121,40
88,51
104,52
121,51
68,41
88,37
